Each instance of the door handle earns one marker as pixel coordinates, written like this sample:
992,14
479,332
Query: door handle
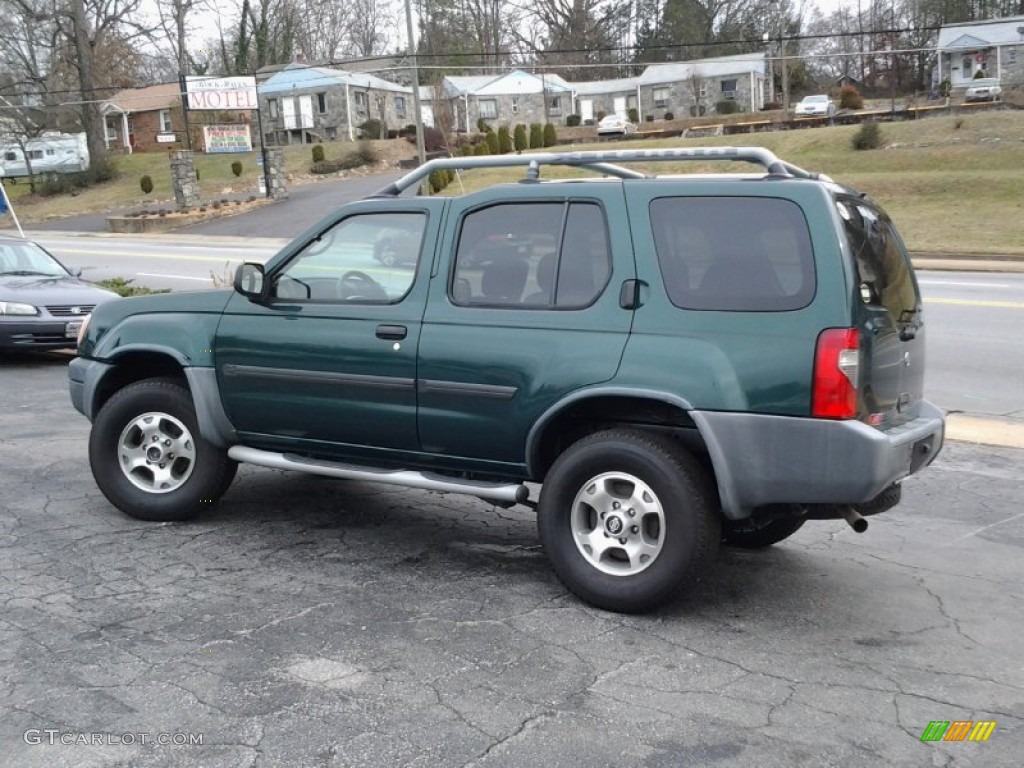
392,332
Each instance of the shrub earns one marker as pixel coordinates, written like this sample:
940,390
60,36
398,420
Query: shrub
493,146
850,98
318,153
450,175
216,205
649,118
365,153
69,183
482,125
550,137
372,129
467,150
519,138
980,74
771,105
868,136
123,287
726,107
536,136
438,181
698,110
146,184
433,139
236,168
504,140
482,149
670,116
409,130
634,116
573,120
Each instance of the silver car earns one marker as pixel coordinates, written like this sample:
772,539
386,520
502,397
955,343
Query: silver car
819,105
42,303
984,89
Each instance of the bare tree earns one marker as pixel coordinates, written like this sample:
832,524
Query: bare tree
174,20
369,27
322,28
696,84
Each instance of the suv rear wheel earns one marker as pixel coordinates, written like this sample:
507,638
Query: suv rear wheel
627,519
147,455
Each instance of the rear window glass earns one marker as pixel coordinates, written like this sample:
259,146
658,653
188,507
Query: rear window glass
749,254
883,271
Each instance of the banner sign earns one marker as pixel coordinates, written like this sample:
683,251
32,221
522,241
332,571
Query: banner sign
224,93
227,138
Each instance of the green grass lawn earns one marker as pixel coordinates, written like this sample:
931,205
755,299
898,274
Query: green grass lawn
952,184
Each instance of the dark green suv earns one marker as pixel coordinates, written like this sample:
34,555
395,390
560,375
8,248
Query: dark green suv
678,360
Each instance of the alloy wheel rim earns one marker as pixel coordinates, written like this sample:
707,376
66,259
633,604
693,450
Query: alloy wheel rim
156,452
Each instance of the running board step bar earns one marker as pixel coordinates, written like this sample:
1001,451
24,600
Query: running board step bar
507,493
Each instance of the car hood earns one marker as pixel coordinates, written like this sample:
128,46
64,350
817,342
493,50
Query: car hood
41,291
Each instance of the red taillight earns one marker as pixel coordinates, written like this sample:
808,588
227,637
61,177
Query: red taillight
836,364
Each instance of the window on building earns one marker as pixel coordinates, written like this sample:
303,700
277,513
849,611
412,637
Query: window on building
729,89
273,108
515,105
359,97
555,105
35,154
660,97
165,121
1011,56
488,108
321,102
10,157
400,107
51,152
631,102
703,90
747,254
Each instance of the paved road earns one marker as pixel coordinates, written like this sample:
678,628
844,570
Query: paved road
310,622
306,204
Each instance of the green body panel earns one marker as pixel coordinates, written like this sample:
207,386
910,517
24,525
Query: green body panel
182,325
538,356
760,362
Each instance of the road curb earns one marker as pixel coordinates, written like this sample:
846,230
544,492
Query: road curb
983,430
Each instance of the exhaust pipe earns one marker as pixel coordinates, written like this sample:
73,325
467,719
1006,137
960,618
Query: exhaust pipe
855,519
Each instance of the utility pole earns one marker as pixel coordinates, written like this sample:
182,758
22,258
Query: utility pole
417,107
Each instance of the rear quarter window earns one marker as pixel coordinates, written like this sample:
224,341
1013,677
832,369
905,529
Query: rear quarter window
746,254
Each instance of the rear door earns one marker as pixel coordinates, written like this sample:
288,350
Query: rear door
889,315
524,310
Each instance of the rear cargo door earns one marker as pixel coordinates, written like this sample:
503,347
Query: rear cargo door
890,317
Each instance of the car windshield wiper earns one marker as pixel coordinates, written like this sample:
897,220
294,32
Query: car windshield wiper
29,273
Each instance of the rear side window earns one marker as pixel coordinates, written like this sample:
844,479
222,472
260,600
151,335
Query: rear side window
749,254
883,271
532,256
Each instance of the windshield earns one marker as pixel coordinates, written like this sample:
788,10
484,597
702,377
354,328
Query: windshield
24,258
984,82
815,99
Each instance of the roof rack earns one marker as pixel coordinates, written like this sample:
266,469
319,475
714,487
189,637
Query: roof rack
603,162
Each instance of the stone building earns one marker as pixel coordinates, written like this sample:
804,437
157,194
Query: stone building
995,48
692,88
509,99
606,97
301,104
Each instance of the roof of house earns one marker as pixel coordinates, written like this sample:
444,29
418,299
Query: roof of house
146,99
509,84
298,76
981,34
599,87
719,66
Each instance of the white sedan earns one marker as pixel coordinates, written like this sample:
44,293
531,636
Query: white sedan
615,125
984,89
819,105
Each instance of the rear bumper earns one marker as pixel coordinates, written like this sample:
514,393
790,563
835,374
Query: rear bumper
761,459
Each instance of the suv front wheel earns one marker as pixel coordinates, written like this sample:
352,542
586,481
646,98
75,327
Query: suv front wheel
627,519
148,457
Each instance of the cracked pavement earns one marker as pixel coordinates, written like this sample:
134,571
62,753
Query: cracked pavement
311,622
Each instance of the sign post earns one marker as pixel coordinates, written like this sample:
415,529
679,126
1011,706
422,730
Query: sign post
5,205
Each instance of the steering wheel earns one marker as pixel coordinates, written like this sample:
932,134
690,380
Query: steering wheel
359,286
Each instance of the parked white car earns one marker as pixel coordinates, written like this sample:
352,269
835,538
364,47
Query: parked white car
984,89
612,125
819,105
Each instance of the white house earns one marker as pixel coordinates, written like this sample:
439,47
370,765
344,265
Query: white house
509,99
994,47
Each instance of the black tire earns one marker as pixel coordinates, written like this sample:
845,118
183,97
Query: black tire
194,479
759,537
686,529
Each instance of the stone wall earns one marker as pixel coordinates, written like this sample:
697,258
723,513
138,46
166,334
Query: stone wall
275,174
681,96
183,178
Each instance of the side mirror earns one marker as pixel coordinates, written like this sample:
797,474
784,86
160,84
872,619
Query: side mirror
249,281
76,271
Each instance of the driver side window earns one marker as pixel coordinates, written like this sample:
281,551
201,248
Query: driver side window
368,258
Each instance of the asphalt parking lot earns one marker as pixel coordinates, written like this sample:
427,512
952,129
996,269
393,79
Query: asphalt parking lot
308,622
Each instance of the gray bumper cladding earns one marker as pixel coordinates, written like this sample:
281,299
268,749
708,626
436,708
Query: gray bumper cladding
762,459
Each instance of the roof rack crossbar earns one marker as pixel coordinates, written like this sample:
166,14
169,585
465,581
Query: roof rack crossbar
601,161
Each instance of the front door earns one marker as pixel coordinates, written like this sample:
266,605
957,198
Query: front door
620,106
327,363
586,109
